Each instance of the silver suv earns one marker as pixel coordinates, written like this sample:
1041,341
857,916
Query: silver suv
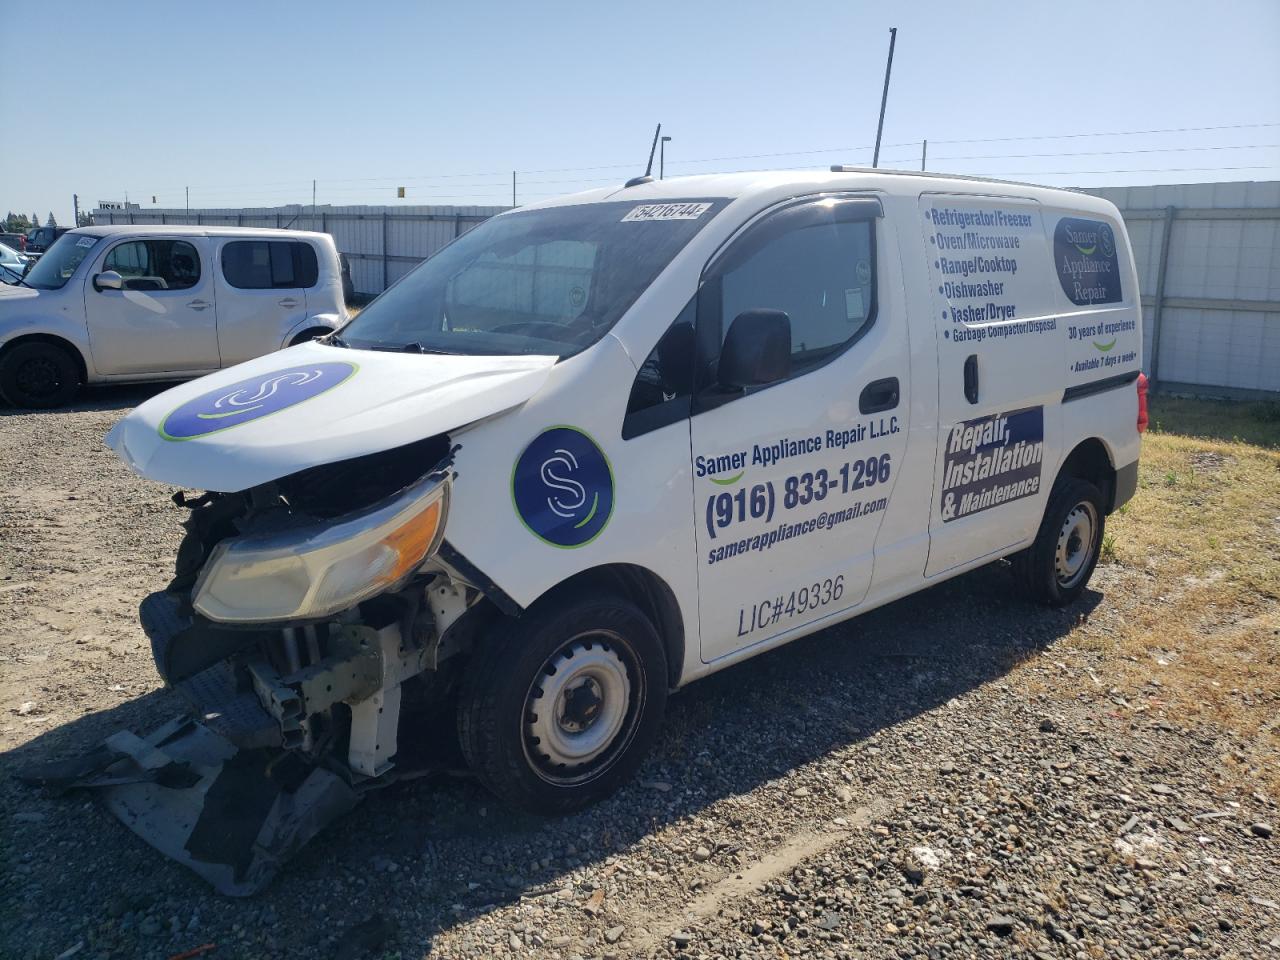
131,303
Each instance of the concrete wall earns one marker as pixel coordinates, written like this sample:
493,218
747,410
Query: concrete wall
1216,320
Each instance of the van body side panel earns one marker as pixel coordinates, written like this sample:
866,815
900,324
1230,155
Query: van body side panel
792,481
1001,373
1097,291
550,489
902,543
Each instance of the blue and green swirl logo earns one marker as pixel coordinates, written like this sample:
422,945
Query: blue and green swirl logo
562,487
253,399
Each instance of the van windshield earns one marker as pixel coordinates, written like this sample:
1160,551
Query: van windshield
549,282
55,267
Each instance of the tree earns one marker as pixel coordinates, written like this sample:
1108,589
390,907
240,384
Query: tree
85,219
35,219
51,222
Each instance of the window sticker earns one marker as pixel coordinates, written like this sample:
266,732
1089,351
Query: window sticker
666,211
1084,251
86,241
854,304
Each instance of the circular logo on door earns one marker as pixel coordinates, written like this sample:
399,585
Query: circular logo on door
562,487
253,399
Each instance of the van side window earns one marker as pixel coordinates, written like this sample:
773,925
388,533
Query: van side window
269,264
664,384
822,274
155,264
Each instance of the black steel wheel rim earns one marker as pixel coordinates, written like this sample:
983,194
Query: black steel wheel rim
39,377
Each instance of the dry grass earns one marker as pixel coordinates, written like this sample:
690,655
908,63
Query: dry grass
1200,544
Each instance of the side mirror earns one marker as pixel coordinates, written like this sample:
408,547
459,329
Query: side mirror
108,280
756,351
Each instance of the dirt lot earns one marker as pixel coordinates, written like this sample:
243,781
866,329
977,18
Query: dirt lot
955,775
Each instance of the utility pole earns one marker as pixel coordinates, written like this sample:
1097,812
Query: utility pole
188,191
662,157
884,97
313,204
924,154
513,188
75,203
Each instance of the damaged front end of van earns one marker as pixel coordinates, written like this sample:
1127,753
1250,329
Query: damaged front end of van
309,612
367,519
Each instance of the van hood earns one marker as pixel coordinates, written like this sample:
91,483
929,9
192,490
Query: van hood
16,292
310,405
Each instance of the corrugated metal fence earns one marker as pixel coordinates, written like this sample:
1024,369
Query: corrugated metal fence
1208,258
382,243
1208,261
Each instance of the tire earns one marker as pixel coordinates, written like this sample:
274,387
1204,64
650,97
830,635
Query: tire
557,709
1056,568
39,375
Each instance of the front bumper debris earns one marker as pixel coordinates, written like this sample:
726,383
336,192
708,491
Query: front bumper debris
238,788
232,815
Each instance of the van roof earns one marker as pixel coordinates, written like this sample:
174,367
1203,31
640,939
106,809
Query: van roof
192,230
768,185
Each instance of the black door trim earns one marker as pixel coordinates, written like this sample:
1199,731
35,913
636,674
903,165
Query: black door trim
1098,386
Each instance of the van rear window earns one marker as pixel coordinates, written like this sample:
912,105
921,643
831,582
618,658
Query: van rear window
270,264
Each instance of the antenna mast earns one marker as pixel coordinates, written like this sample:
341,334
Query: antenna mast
649,169
884,97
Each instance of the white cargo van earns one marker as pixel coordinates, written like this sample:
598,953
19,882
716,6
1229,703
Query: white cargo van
115,304
600,447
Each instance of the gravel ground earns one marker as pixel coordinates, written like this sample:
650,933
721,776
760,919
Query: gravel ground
950,776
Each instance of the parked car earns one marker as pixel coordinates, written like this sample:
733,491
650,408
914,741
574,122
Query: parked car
124,303
40,239
16,240
12,260
598,448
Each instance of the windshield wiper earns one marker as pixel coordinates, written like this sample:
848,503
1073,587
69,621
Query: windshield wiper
334,340
416,346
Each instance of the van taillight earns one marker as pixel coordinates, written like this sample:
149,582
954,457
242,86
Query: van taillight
1142,403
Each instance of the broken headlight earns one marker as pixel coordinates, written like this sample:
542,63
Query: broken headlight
315,570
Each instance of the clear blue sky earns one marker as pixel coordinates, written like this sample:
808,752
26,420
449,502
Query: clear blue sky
246,103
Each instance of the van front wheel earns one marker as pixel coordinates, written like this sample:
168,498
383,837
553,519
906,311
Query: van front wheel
1056,568
558,708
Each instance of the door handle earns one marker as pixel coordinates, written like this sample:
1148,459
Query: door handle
199,304
288,302
879,395
971,378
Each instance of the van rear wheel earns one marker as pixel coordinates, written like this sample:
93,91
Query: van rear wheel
38,375
558,708
1056,568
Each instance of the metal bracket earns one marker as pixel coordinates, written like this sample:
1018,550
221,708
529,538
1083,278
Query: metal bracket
375,720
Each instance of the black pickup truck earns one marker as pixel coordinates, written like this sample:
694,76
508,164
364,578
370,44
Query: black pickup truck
40,239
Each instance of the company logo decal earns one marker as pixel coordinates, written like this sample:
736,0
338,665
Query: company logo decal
562,487
1084,253
253,399
991,461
